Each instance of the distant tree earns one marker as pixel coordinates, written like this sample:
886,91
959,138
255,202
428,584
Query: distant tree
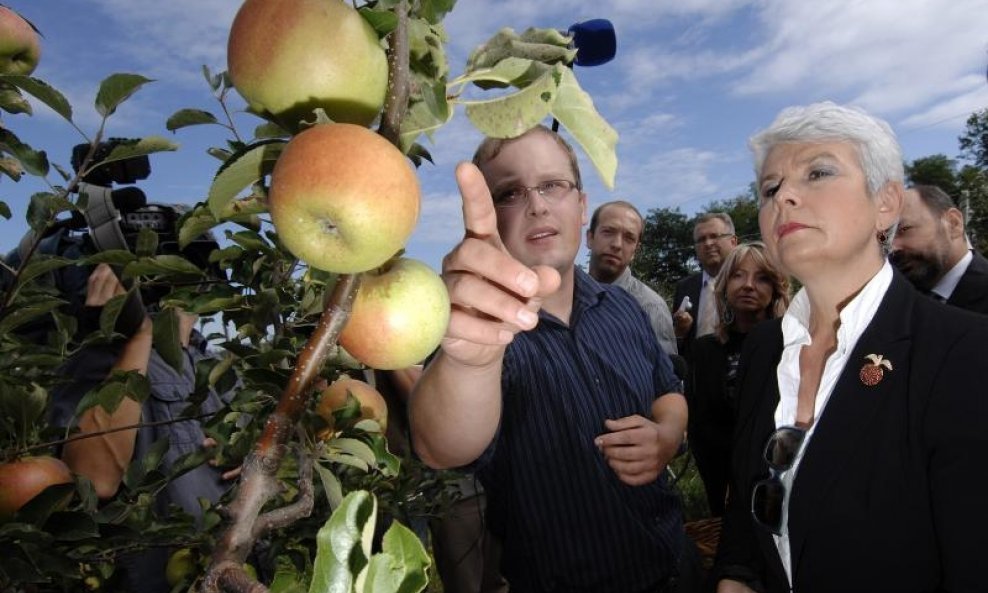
974,140
938,170
666,251
667,254
973,192
743,209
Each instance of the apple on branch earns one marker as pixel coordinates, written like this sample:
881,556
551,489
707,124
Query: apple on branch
20,48
343,199
399,316
288,57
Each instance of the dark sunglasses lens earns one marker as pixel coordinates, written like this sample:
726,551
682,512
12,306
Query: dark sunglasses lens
782,446
766,504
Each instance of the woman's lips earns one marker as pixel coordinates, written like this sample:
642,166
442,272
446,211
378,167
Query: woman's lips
788,228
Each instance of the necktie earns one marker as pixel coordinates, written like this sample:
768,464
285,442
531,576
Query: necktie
707,315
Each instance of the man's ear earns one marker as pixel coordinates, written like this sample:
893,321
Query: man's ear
589,237
953,220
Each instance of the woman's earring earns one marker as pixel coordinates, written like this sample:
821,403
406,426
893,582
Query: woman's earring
727,318
883,237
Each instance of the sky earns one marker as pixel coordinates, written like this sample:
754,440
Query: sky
691,81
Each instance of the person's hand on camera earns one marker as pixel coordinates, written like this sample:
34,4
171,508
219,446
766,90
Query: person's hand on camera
493,295
102,286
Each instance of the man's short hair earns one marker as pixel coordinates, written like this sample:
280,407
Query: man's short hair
721,216
934,198
623,204
491,147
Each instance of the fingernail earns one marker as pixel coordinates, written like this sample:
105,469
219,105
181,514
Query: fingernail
527,318
527,283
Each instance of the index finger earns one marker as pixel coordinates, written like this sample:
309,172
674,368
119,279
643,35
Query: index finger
479,217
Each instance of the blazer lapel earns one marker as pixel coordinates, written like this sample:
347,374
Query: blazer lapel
842,428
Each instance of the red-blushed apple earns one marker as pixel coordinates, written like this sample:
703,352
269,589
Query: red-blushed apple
343,199
399,315
372,404
288,57
20,48
25,478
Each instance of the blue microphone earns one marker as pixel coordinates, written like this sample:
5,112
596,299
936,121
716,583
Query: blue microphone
594,41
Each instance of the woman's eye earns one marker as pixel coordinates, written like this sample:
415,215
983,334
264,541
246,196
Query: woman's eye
770,191
819,173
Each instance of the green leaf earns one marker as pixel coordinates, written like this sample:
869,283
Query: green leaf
11,168
514,114
198,222
576,112
112,257
127,149
166,339
111,311
162,265
357,448
42,264
147,243
508,72
343,545
12,101
44,207
383,21
26,313
401,565
331,486
34,162
184,118
539,45
115,89
43,92
240,171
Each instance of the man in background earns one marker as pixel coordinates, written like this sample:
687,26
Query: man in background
714,238
613,239
932,250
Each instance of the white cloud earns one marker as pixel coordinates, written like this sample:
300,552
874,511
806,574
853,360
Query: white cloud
885,55
679,177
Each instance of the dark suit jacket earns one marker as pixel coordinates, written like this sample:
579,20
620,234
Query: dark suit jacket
688,287
971,292
892,491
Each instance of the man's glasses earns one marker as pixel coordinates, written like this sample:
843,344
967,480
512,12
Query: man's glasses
769,494
711,238
552,191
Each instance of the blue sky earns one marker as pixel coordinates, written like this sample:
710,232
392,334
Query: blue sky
692,80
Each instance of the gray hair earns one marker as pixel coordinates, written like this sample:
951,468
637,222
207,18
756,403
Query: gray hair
721,216
879,154
878,150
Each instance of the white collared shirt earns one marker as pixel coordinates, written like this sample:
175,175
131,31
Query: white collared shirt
706,309
854,318
945,287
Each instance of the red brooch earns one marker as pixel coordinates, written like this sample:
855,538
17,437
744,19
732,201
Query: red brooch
873,372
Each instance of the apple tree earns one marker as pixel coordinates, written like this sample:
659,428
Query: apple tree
309,509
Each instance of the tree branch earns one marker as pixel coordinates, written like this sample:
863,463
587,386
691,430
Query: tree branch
258,484
397,98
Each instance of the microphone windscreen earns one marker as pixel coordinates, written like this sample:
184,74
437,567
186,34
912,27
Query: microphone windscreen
595,42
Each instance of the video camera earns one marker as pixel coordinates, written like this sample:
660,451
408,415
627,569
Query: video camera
110,219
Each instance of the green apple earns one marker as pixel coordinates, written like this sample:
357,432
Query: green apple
20,48
343,199
399,316
288,57
25,478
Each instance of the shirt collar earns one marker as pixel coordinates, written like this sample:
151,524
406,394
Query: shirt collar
854,317
945,287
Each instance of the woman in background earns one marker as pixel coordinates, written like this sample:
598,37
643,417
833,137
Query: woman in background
749,290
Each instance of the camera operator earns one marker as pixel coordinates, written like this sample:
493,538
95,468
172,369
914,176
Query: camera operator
105,457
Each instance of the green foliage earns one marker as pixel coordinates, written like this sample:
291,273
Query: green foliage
974,140
667,253
938,170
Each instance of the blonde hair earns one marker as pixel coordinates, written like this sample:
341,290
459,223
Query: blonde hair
491,147
780,284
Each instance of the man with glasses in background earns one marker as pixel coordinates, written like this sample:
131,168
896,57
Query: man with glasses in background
553,388
714,238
